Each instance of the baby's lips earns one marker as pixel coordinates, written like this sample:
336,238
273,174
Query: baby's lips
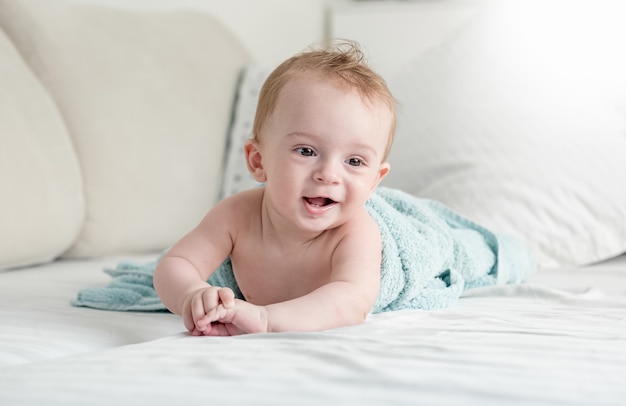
319,201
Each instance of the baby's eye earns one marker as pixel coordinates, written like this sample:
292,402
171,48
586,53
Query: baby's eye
305,151
354,162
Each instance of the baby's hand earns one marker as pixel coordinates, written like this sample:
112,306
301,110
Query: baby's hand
240,318
201,302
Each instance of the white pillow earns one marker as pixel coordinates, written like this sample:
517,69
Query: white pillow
236,176
147,98
41,192
499,125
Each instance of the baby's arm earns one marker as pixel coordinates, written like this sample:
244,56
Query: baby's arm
345,300
349,295
180,276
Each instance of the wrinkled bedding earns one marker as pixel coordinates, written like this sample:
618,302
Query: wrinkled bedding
558,339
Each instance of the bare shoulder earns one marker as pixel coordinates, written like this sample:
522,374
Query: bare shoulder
243,199
227,217
359,245
362,229
236,206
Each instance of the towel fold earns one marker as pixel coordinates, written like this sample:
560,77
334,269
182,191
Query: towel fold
430,255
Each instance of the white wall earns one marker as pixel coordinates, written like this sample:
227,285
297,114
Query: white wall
394,32
579,38
273,30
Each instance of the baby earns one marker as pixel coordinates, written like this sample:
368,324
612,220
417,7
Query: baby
304,251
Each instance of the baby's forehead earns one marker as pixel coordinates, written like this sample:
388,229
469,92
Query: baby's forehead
300,86
310,81
309,77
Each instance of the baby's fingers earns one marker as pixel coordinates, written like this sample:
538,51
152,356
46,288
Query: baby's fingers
193,310
205,324
202,308
210,300
188,321
227,297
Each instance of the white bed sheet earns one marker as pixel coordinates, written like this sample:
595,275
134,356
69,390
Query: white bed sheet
38,323
558,340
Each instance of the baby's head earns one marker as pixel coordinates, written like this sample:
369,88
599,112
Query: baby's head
342,63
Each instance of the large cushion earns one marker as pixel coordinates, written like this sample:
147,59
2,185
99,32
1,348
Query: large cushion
513,123
41,199
147,98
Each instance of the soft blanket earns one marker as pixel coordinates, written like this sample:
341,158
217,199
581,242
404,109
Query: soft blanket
430,255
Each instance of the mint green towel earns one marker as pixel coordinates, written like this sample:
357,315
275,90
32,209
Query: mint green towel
430,256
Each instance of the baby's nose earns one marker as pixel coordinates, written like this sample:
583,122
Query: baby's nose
327,173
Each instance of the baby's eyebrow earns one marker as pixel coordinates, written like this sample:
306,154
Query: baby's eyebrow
367,147
300,134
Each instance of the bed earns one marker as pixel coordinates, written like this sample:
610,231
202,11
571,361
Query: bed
527,146
558,339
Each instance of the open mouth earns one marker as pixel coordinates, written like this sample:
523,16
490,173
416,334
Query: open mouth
319,201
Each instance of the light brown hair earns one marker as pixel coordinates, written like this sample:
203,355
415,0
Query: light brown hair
343,62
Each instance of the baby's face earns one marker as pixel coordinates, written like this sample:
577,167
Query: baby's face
323,149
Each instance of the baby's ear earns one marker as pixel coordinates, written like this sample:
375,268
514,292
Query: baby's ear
383,170
254,160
